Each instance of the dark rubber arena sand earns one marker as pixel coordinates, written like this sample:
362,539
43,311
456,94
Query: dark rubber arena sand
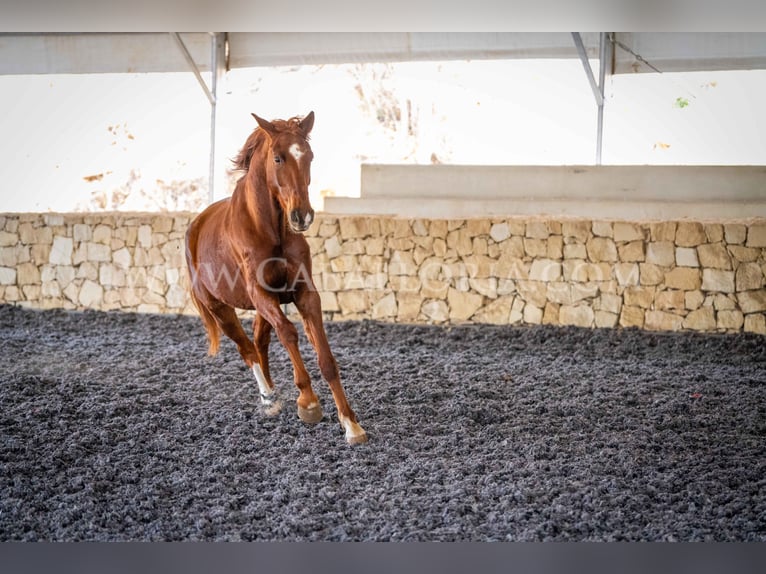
119,427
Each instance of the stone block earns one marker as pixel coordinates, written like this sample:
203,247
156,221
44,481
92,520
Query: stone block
639,297
579,230
756,235
630,252
460,241
602,229
755,323
477,226
91,294
670,300
714,232
718,280
609,302
7,276
510,267
535,247
61,252
484,286
744,254
534,292
735,233
714,255
145,236
601,249
662,321
98,252
551,314
438,228
385,307
731,320
693,299
102,234
545,270
663,231
500,232
462,305
517,311
27,274
605,319
682,278
626,273
496,313
651,274
176,296
575,269
436,311
752,301
537,230
408,307
329,301
690,234
555,247
560,293
575,251
687,257
576,315
628,232
533,315
749,276
702,319
353,301
361,227
661,253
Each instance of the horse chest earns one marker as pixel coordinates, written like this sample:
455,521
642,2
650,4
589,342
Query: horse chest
279,274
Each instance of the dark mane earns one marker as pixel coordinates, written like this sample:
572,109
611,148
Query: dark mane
256,139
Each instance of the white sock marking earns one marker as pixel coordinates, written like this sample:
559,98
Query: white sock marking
352,429
263,386
269,397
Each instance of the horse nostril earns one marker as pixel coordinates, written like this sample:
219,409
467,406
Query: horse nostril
295,217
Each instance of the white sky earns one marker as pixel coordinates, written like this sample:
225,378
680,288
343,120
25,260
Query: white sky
58,130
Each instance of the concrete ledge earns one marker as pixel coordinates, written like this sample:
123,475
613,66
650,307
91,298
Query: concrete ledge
619,192
480,207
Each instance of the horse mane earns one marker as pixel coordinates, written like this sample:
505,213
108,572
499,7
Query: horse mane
258,137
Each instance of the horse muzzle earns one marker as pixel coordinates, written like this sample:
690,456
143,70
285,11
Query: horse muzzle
300,221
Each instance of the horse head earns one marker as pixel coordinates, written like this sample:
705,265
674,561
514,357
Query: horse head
288,167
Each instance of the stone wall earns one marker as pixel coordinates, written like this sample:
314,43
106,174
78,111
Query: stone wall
671,275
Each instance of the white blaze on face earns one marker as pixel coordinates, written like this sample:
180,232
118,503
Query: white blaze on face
296,151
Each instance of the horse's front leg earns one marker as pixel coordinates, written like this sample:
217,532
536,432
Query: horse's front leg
308,304
267,303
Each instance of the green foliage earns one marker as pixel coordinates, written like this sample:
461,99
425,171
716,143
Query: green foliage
681,103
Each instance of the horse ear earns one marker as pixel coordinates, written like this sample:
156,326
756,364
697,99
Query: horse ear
307,123
267,126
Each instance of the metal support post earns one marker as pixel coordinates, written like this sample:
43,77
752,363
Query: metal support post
604,56
217,68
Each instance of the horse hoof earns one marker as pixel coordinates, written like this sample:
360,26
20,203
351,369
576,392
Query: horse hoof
310,416
355,434
271,408
357,439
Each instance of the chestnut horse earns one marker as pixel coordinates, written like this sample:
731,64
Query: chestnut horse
248,252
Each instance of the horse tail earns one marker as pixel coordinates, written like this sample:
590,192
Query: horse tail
208,319
210,324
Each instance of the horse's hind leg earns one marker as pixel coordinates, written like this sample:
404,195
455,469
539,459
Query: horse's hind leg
230,324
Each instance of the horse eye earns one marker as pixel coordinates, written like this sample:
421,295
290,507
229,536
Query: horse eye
277,159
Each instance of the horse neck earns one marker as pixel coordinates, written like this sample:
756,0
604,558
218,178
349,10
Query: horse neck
252,197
